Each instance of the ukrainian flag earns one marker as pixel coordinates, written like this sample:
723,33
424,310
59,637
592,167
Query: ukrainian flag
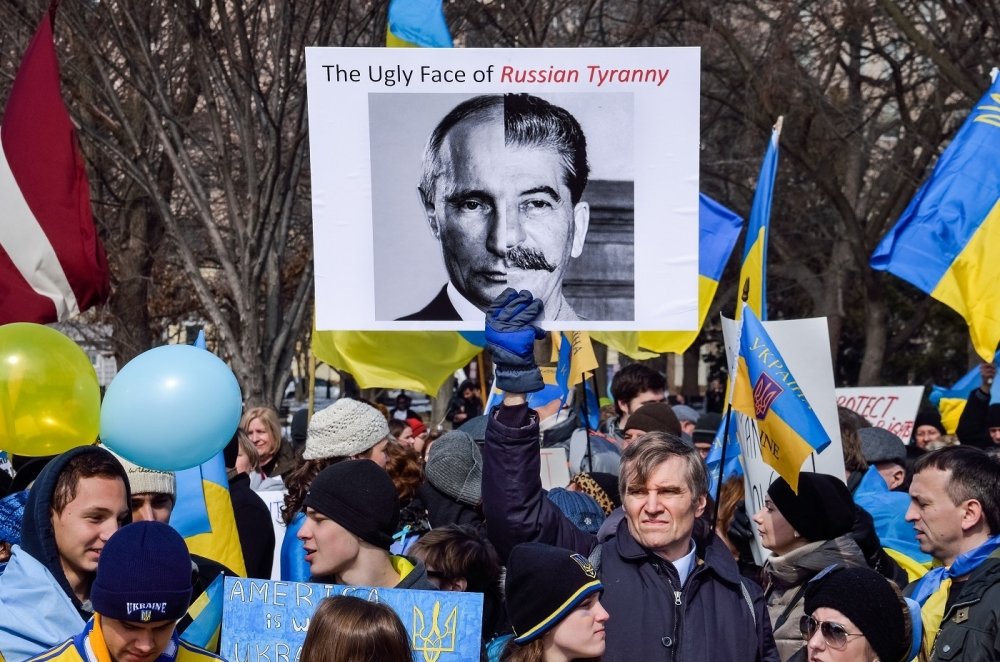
413,360
947,242
766,391
755,246
206,617
718,230
417,24
951,401
204,516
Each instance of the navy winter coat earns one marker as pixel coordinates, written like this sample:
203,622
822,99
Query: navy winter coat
716,616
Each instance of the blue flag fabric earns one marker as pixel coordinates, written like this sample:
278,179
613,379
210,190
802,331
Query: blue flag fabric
417,23
946,241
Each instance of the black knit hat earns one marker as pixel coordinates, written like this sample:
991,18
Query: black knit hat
654,417
993,416
144,574
928,416
359,496
822,510
543,585
866,598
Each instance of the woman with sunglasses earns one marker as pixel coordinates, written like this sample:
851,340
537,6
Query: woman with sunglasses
856,615
805,532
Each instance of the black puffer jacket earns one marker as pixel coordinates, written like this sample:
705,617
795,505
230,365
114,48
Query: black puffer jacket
715,616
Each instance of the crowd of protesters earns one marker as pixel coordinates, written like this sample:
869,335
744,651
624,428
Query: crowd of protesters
632,560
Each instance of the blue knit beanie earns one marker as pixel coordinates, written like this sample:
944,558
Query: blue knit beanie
579,508
143,575
11,514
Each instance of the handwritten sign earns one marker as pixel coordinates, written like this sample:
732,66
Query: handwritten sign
274,500
797,340
893,408
555,468
267,621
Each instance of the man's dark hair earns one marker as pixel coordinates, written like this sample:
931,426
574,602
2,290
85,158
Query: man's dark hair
528,122
85,465
974,475
632,380
459,551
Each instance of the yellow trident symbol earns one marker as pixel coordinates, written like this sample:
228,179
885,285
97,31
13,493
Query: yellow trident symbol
435,641
993,117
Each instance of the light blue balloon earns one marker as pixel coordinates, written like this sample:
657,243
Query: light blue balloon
171,408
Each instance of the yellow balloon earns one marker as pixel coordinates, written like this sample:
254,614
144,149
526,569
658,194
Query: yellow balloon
50,400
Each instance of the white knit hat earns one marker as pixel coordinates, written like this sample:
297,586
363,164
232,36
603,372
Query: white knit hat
344,429
148,481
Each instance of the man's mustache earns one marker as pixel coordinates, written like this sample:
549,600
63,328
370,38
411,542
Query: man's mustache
523,257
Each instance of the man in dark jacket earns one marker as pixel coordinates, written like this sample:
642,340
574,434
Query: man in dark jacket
672,589
955,508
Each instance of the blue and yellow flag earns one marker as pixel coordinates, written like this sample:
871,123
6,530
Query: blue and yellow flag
206,617
204,515
718,230
754,269
950,401
947,241
765,390
417,24
413,360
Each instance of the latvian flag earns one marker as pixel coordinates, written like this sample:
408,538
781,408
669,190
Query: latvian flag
52,264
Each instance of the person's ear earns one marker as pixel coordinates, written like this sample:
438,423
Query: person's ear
972,514
581,223
897,477
427,201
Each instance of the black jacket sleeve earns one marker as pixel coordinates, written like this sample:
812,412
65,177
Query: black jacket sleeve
514,502
972,429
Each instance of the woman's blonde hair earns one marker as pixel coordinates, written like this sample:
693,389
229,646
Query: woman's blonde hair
269,418
349,629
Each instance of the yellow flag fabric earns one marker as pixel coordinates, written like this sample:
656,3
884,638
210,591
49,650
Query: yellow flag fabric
413,360
931,614
582,357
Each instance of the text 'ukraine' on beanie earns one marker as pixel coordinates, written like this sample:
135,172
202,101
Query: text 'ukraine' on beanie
822,510
543,585
359,496
867,599
143,575
345,428
455,467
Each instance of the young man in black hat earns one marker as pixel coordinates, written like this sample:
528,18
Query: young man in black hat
351,515
143,587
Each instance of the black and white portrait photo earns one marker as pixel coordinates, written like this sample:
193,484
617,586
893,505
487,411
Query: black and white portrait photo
435,186
503,192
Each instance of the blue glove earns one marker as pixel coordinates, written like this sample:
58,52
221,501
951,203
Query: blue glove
511,335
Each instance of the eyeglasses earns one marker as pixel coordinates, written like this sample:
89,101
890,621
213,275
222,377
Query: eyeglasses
834,634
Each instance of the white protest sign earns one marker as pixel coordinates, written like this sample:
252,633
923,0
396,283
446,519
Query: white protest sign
555,468
389,257
275,499
893,408
804,345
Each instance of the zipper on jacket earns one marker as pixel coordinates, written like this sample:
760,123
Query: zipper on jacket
677,619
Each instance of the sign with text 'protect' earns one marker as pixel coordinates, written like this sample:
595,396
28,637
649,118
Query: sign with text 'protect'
267,621
893,408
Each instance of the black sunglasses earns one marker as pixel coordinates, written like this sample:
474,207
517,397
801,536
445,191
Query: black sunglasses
835,634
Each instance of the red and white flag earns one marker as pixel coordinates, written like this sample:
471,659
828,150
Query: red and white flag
52,263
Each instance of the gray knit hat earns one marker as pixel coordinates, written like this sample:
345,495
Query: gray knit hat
148,481
880,445
345,428
455,466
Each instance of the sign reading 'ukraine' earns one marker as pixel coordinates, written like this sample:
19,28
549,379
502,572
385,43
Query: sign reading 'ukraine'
267,621
765,390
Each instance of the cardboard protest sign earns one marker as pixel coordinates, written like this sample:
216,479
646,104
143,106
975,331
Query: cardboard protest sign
813,371
266,621
408,238
555,468
893,408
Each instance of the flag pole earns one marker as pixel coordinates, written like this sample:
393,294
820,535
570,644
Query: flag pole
586,420
725,426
